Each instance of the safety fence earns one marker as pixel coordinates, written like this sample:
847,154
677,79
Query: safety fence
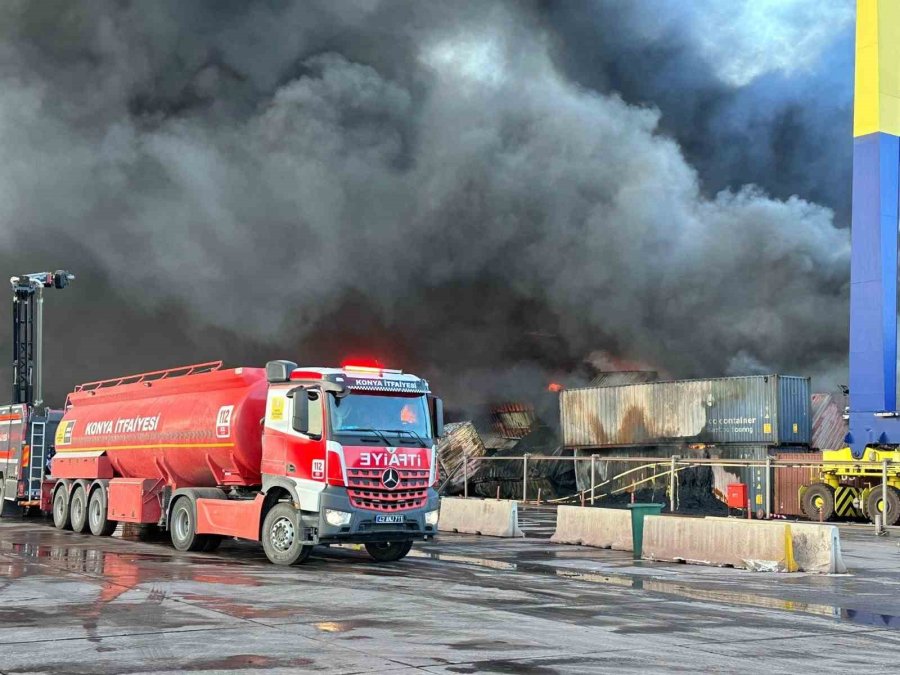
661,475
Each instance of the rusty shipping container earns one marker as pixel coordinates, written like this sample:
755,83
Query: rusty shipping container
828,424
758,410
513,420
460,441
789,479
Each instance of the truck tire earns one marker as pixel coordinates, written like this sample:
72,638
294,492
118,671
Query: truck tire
282,536
78,509
875,507
183,527
98,519
388,551
61,516
818,502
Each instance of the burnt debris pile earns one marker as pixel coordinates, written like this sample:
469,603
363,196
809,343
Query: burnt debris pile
495,477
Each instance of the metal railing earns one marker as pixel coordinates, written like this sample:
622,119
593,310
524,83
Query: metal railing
152,376
663,469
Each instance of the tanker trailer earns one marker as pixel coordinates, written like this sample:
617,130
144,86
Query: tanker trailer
286,456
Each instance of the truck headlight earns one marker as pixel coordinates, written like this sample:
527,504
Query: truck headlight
337,518
431,518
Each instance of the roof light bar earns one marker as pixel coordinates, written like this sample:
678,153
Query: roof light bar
362,363
306,375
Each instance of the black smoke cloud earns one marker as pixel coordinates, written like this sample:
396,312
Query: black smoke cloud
785,130
436,184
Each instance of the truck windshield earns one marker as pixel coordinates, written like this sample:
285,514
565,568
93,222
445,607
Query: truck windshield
384,413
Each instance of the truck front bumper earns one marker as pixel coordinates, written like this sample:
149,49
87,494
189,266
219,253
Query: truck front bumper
362,527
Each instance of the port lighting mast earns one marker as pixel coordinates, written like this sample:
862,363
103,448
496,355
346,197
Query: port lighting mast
27,319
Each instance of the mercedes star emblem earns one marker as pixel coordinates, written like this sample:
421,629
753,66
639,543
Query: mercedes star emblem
390,479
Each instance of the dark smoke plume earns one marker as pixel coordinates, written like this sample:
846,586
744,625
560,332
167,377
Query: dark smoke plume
465,190
754,92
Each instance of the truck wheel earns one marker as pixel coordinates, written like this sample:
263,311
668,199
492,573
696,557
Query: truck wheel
61,516
389,551
875,505
183,527
98,521
78,509
818,502
282,536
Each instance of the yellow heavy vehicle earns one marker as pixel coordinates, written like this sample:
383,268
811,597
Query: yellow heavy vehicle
853,488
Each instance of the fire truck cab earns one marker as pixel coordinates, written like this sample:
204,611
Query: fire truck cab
356,444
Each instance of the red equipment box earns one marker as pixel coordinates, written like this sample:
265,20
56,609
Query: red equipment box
135,500
737,496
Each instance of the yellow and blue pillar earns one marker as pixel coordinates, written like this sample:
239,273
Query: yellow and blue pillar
874,236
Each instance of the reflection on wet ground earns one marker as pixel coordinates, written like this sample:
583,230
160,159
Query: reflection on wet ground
76,603
642,582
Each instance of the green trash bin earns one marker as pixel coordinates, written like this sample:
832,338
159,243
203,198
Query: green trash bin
638,511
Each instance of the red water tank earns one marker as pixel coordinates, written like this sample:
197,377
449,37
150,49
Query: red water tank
737,496
197,430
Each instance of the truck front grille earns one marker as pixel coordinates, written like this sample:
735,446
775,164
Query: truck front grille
366,490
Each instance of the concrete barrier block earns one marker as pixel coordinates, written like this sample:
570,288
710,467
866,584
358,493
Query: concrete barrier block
587,526
817,547
493,517
721,542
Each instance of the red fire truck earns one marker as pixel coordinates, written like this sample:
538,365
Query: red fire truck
288,456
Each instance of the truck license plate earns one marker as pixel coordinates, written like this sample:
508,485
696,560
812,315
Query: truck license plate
389,519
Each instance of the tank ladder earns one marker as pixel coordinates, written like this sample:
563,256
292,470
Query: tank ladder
37,465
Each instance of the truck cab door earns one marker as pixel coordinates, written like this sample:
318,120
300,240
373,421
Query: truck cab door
294,433
307,442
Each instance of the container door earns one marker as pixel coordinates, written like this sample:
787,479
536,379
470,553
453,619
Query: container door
794,417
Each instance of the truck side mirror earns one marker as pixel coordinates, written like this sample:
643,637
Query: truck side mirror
301,421
279,371
437,416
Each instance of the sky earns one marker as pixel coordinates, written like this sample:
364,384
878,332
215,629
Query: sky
492,195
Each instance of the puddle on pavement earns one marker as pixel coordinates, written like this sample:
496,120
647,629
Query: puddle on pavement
870,618
168,665
541,666
121,571
670,588
126,570
347,625
466,560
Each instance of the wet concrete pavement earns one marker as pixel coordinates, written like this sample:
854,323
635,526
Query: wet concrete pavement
74,603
